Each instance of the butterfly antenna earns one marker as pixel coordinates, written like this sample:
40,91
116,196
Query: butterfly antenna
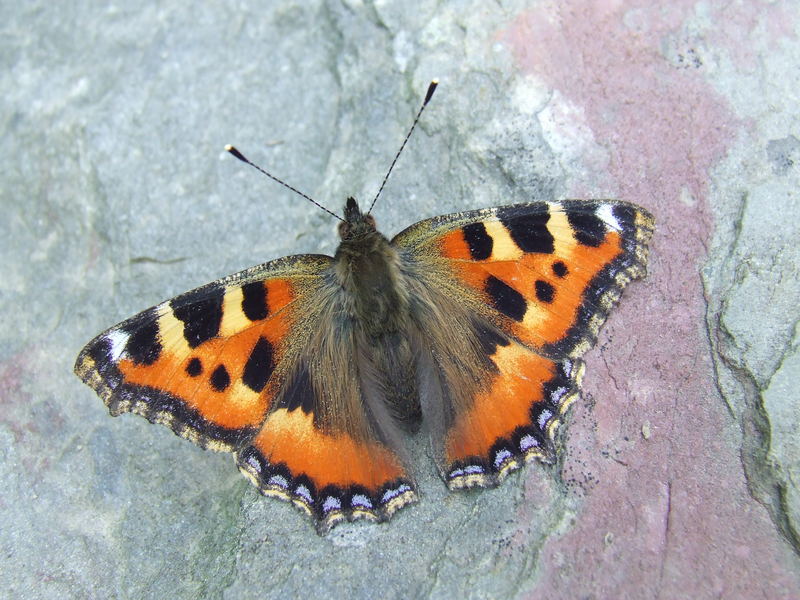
428,95
244,159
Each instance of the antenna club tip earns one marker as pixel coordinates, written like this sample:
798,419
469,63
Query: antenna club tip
235,152
431,89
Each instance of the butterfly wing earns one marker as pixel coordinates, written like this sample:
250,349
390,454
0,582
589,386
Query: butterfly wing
238,365
538,281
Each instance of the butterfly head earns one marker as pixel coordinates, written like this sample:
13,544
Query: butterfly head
356,225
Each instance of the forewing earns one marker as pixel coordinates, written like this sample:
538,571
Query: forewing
546,272
200,363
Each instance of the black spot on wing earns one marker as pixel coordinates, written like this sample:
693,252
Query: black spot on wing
506,299
220,380
299,393
489,338
588,228
545,292
254,300
201,313
194,367
560,269
100,351
259,365
480,243
143,345
528,228
625,215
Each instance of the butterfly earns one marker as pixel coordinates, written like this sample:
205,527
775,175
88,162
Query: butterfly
311,369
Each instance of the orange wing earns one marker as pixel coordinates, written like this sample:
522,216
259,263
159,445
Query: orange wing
223,366
540,280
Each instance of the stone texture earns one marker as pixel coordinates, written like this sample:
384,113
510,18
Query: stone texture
680,478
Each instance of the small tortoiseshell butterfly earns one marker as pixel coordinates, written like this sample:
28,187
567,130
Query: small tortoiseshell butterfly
309,367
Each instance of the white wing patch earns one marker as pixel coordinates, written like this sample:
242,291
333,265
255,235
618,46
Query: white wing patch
118,340
606,214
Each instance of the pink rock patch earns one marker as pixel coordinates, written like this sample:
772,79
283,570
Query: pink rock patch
669,515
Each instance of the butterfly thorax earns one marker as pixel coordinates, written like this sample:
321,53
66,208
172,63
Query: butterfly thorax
368,270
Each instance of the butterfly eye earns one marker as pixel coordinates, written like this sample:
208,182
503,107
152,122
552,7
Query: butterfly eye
370,220
344,229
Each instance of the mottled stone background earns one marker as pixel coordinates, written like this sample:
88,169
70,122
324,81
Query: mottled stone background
681,479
